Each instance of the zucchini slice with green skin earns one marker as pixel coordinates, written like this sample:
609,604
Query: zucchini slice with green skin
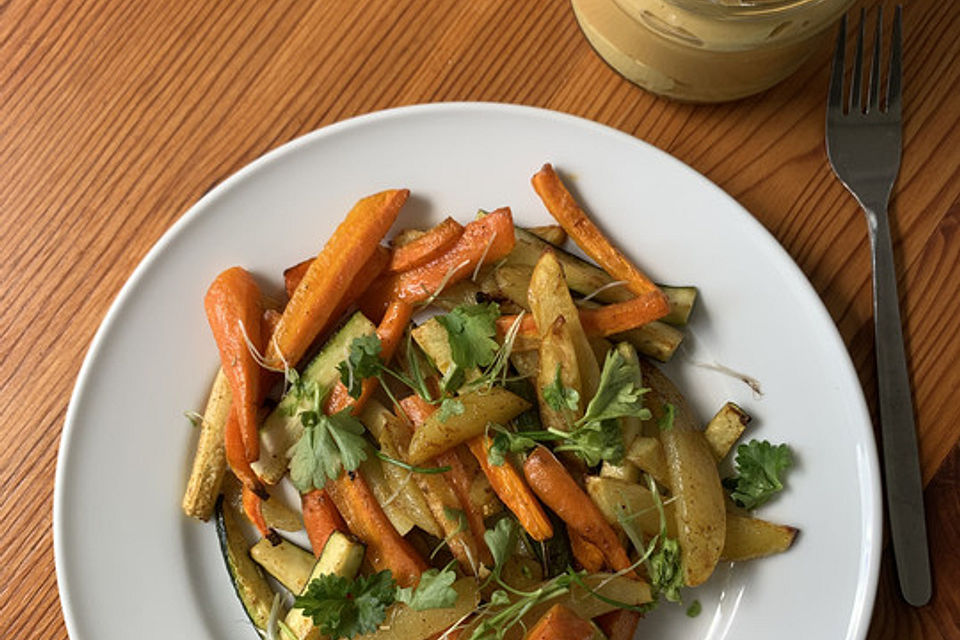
286,562
282,428
586,278
341,556
248,581
681,300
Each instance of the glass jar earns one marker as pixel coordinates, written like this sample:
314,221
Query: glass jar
707,50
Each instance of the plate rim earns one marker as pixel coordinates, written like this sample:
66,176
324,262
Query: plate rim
864,597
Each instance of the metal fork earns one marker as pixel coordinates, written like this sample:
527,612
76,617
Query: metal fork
863,145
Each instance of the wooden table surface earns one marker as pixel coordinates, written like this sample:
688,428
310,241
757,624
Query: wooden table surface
116,116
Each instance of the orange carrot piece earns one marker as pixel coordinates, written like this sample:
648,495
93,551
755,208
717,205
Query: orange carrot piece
600,322
390,332
560,623
585,233
236,455
418,410
328,279
557,489
320,519
252,508
622,316
293,275
587,554
483,241
358,286
233,310
619,625
427,247
513,491
268,324
350,492
386,548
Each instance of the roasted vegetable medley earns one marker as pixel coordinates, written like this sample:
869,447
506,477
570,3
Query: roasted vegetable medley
481,443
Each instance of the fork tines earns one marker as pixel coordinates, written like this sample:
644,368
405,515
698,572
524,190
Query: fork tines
855,99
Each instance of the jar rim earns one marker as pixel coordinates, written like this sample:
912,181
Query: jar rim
732,9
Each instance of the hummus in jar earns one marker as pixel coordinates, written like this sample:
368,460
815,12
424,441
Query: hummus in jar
707,50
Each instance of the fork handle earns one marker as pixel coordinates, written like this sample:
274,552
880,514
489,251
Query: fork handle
901,461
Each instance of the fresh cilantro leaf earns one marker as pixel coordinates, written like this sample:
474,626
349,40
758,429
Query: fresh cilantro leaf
760,468
666,578
344,608
448,408
559,397
618,394
665,422
694,609
363,361
505,442
596,442
328,444
471,329
434,591
501,540
499,598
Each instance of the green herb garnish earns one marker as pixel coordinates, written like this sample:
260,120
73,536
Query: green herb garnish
344,608
328,445
760,468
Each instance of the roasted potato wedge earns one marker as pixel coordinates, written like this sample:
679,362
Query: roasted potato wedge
548,298
404,623
480,408
557,355
725,428
618,499
694,481
749,538
552,233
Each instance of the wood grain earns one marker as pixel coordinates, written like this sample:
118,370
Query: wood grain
115,116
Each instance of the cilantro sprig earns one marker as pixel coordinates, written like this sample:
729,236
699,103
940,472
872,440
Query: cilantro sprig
471,329
760,469
328,445
596,436
508,606
363,361
345,608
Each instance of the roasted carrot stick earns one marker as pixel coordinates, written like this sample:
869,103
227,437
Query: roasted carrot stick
351,494
360,283
390,331
320,519
236,455
430,245
618,625
327,280
293,275
513,491
587,554
600,322
233,310
251,507
365,518
483,241
557,489
585,233
560,623
418,410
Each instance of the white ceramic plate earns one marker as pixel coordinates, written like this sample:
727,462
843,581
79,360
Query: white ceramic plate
131,565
